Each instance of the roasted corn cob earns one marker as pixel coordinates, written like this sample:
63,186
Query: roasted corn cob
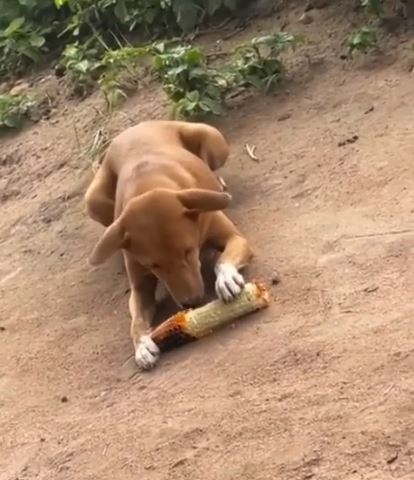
190,325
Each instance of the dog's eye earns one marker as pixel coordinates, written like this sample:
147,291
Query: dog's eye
188,253
154,266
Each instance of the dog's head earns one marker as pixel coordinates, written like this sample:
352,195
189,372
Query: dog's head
161,231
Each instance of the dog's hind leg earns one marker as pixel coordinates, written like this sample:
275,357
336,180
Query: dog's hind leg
100,196
208,144
214,149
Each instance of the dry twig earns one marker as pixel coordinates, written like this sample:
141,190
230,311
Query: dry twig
250,149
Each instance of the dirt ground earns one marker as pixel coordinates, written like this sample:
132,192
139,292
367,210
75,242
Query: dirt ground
319,386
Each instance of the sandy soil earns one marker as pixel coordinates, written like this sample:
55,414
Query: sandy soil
319,386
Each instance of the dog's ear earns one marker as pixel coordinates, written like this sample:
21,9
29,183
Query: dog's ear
113,239
197,200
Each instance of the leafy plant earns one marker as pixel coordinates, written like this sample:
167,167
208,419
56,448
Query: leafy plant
30,27
20,45
196,89
375,6
192,86
38,12
14,109
362,40
154,16
120,72
257,63
82,64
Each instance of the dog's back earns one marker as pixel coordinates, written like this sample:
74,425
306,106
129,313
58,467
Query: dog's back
157,137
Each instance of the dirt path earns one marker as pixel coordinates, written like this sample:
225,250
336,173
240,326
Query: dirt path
320,386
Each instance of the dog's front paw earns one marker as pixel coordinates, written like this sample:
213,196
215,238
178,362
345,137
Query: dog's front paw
146,353
229,282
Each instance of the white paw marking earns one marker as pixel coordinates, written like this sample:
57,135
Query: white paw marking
229,282
147,353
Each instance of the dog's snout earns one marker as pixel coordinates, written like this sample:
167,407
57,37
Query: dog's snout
188,306
191,303
186,288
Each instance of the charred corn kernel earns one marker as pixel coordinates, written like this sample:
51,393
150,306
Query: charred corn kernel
187,326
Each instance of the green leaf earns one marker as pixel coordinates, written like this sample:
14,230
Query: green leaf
197,72
121,11
186,14
213,5
194,56
83,66
362,40
150,15
12,121
231,5
37,40
30,53
60,3
375,6
193,96
255,82
14,25
215,106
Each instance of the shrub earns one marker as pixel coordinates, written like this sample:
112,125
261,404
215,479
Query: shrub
14,110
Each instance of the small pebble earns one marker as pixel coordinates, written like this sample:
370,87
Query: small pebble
284,116
392,458
179,462
64,399
275,280
371,289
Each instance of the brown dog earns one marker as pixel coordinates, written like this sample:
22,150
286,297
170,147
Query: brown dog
161,203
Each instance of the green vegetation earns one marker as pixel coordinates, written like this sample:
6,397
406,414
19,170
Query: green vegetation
14,110
193,87
30,28
93,41
374,6
362,40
